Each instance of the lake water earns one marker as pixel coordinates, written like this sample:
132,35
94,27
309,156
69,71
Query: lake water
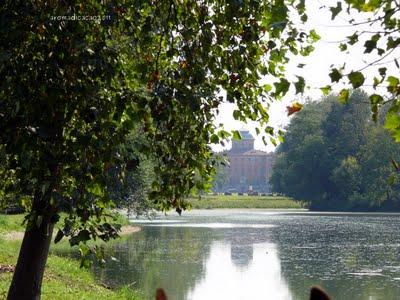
260,254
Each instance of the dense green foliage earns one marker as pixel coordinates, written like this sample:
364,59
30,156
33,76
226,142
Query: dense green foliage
336,158
131,191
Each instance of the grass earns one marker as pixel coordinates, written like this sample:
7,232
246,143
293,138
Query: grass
11,223
14,222
244,201
63,279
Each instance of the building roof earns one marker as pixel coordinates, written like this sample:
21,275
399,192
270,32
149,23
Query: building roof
246,135
255,152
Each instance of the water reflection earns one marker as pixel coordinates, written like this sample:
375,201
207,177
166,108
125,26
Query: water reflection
257,254
260,278
172,258
241,255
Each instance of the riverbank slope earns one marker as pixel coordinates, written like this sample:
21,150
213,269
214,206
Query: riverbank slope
245,201
63,279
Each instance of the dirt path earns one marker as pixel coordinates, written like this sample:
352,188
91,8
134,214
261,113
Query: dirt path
13,235
18,235
128,229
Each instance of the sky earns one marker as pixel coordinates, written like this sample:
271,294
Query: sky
316,70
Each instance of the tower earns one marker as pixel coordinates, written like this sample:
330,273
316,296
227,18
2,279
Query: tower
243,145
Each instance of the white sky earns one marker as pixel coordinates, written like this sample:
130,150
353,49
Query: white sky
316,71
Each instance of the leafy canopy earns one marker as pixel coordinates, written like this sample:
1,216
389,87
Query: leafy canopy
336,159
72,91
376,25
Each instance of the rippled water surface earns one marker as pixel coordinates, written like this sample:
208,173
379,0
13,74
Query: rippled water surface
260,254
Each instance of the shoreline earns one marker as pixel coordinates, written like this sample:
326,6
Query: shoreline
129,229
63,277
19,235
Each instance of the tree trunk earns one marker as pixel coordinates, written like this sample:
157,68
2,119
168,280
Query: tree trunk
27,280
28,275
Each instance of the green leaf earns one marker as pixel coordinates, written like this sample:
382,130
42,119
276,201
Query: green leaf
356,79
343,47
269,130
223,134
281,87
382,71
236,135
392,43
393,84
376,82
344,96
299,85
353,38
326,90
335,75
83,236
369,46
376,99
371,5
392,121
271,44
214,139
281,139
237,114
336,10
59,236
305,51
314,36
267,88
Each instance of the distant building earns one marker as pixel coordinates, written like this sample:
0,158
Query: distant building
249,168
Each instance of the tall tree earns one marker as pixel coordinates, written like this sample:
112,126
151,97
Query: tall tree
344,131
337,159
301,153
72,90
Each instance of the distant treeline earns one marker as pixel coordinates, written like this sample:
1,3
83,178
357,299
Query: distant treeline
337,158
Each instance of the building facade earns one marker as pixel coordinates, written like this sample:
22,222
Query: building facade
249,169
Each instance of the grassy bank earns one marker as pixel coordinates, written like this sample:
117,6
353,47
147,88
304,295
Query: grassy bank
63,278
244,201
